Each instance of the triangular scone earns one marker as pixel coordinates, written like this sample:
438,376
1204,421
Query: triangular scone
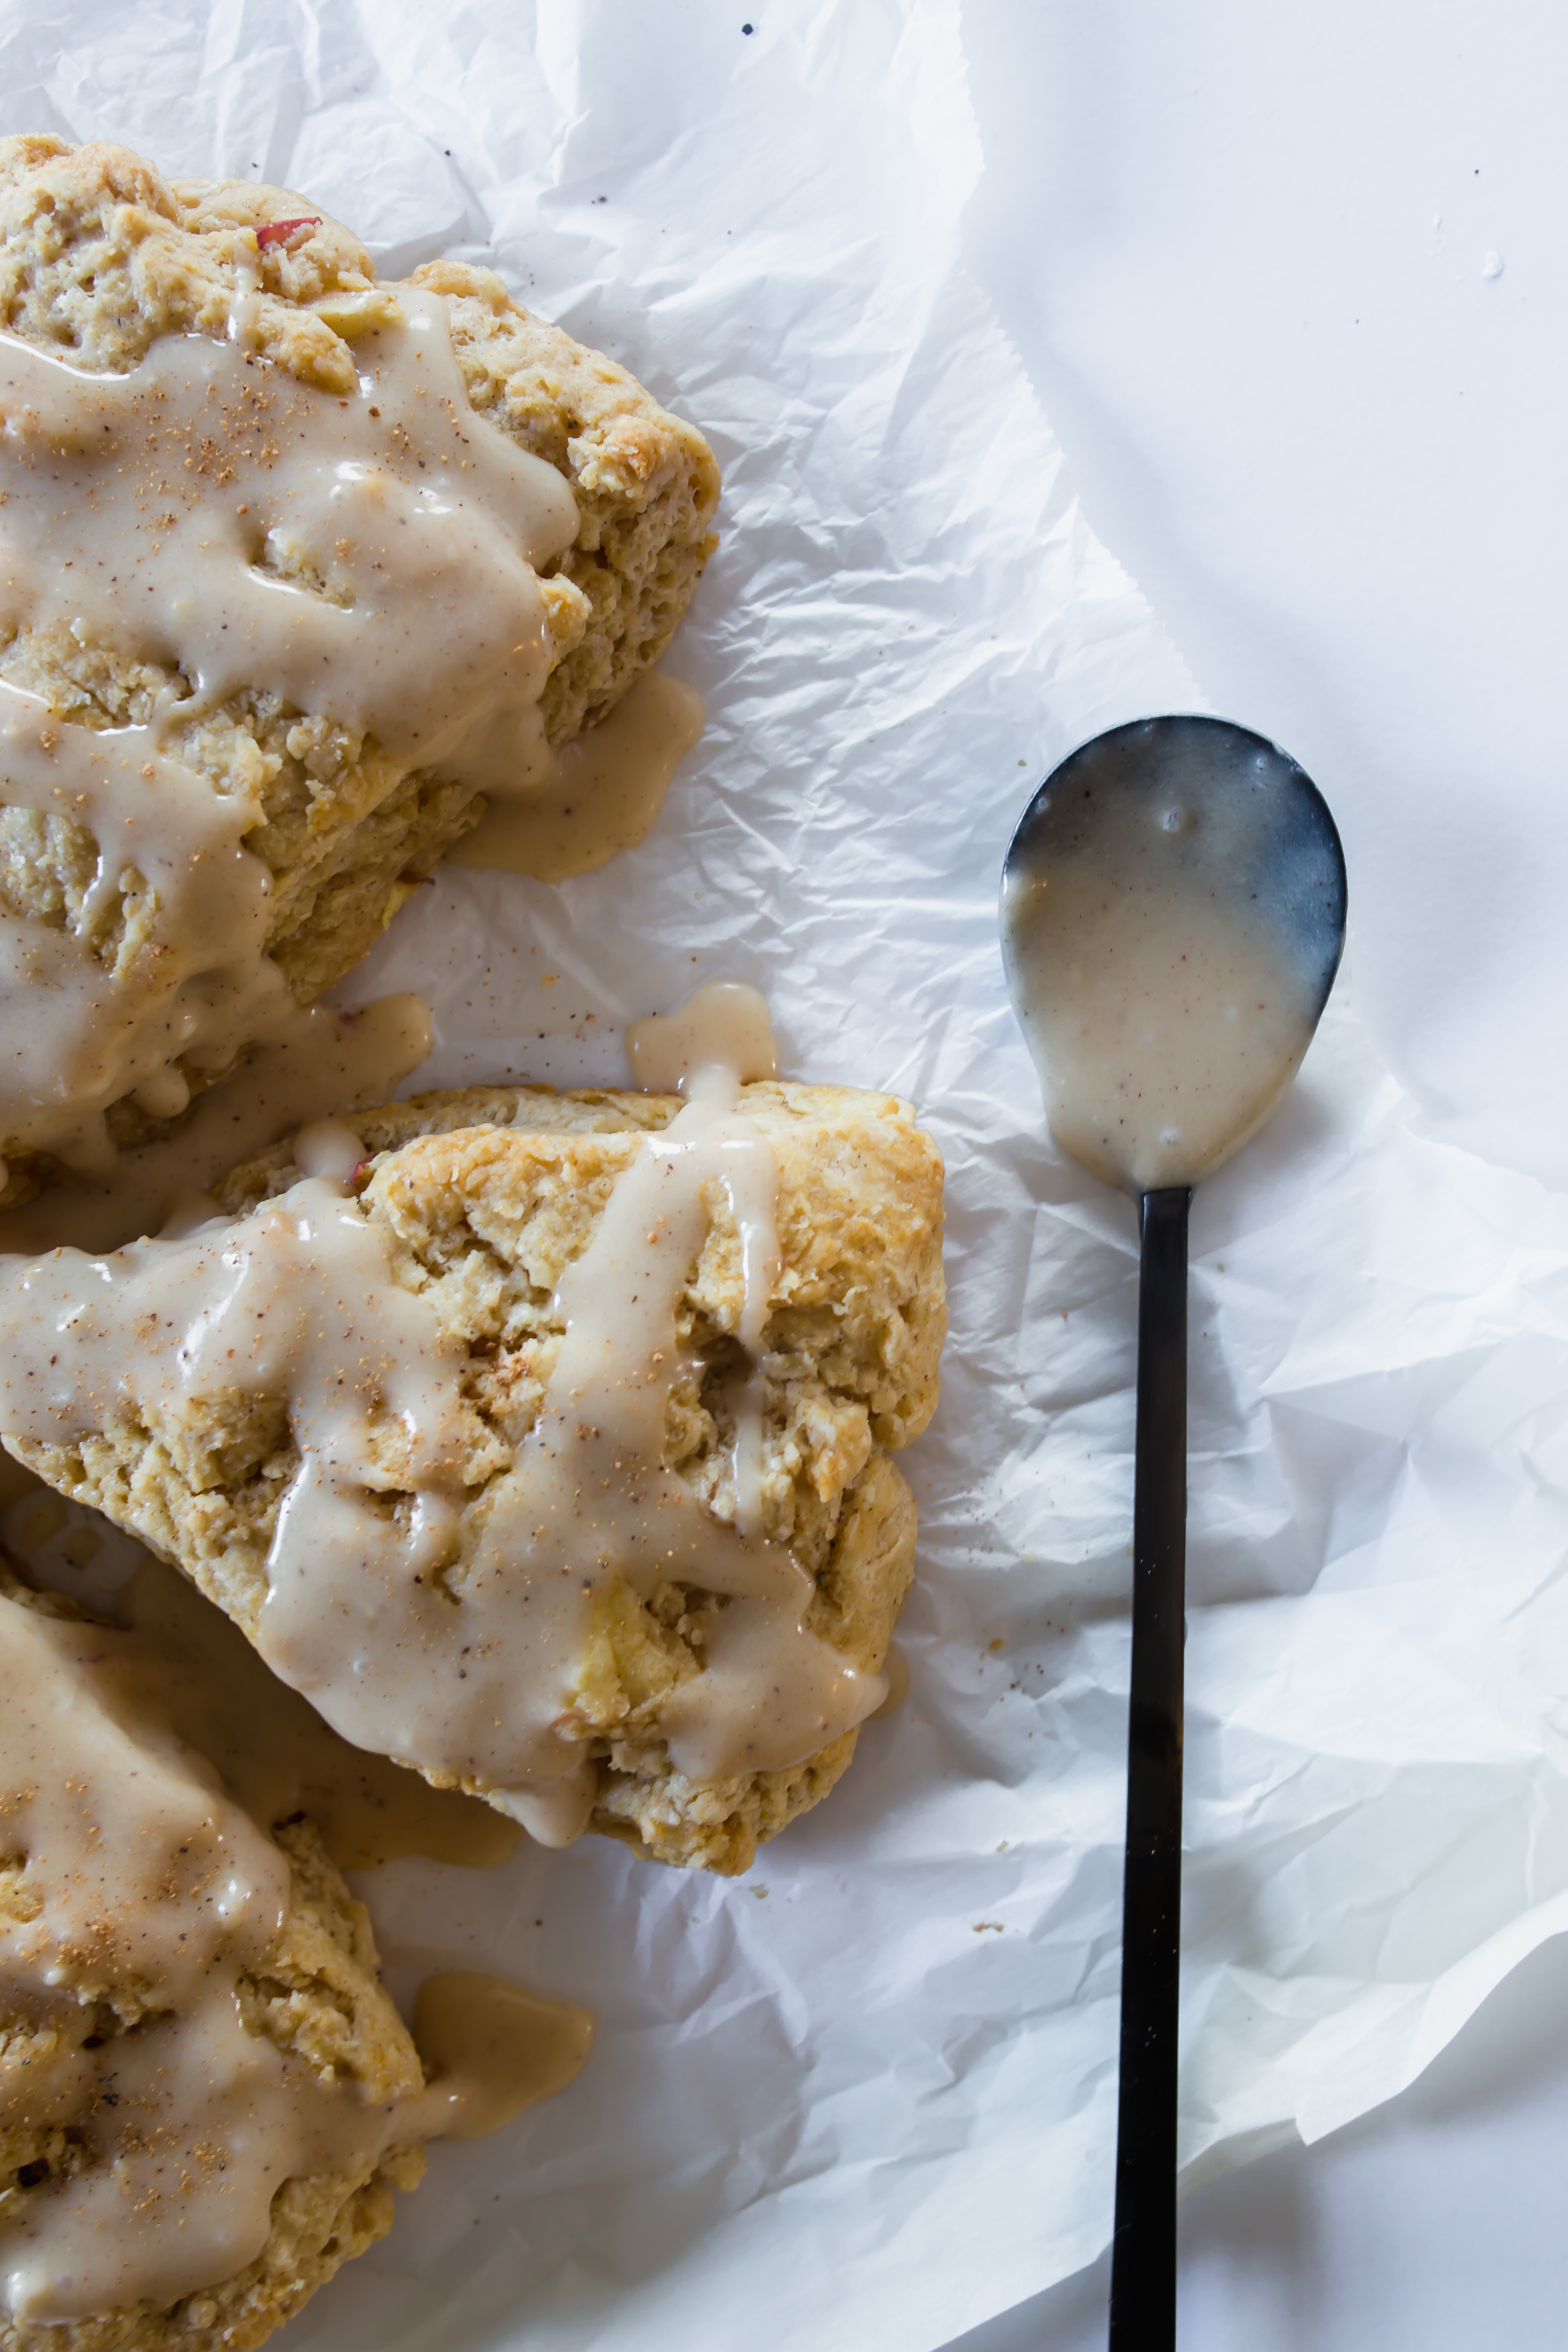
468,1220
293,764
202,2081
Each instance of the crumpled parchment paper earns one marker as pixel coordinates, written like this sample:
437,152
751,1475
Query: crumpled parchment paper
865,2097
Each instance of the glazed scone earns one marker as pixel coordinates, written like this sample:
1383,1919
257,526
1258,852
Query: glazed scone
108,265
483,1208
116,2170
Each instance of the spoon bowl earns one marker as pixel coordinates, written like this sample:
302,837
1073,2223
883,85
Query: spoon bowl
1172,917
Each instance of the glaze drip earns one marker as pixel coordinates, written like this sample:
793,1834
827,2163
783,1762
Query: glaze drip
372,560
442,1622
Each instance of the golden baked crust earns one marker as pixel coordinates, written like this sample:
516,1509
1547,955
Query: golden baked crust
645,484
316,1995
485,1197
99,255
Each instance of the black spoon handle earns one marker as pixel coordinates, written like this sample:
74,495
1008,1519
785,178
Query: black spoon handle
1144,2255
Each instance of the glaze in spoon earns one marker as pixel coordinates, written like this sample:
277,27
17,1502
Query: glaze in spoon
1172,917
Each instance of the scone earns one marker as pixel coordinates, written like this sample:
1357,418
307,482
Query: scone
205,2096
545,1447
297,567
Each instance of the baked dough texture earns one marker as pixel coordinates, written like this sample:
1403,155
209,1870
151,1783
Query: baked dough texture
99,255
485,1196
318,1996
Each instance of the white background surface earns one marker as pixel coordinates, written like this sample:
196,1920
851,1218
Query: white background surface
1241,249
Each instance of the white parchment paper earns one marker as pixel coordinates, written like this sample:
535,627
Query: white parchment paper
865,2097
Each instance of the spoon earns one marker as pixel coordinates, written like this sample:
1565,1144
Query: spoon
1172,917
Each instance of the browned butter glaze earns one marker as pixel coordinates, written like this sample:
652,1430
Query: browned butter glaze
374,559
323,1062
273,1752
493,2049
299,1300
1173,914
596,796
